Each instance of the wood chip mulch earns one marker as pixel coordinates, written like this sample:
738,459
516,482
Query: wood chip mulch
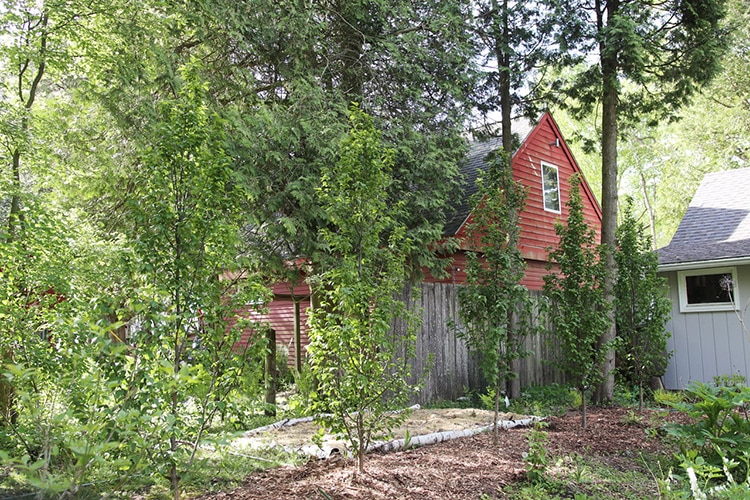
464,468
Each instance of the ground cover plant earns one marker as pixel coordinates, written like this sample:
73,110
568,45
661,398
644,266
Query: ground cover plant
715,447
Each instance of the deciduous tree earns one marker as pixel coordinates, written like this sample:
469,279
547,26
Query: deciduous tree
188,222
642,305
360,364
494,306
578,307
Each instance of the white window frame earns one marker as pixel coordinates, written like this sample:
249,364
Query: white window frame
719,306
544,166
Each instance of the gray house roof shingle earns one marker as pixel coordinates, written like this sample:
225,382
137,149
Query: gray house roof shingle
470,169
716,225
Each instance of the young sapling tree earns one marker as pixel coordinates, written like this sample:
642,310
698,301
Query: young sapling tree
360,365
578,308
494,305
642,305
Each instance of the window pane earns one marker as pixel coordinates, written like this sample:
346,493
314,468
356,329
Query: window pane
551,188
709,288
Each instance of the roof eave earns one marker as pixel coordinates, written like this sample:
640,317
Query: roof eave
704,264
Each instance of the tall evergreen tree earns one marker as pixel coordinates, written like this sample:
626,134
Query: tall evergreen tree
647,59
513,39
284,76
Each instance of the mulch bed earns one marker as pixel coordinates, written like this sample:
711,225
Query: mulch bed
461,469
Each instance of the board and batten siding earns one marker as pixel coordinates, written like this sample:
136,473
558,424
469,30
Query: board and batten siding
705,345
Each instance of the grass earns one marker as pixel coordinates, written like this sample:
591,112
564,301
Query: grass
223,470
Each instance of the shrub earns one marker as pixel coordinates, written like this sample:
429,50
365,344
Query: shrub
553,399
668,398
715,449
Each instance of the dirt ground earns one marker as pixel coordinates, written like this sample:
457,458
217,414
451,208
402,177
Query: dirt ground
464,468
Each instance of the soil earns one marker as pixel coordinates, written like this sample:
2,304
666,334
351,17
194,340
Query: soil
464,468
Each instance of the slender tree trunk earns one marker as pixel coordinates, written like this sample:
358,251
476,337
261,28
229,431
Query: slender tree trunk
583,408
15,216
297,337
640,396
650,210
362,445
16,222
513,382
502,54
495,427
270,375
610,95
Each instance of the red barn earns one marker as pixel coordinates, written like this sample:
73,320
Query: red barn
289,303
543,163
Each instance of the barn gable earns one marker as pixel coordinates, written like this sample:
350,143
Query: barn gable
542,152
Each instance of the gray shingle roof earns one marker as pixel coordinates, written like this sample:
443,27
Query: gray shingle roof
717,223
470,169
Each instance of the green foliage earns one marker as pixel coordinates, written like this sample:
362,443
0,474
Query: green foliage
657,66
642,306
579,312
543,400
495,309
275,81
715,447
188,226
633,66
300,401
536,458
733,380
284,373
488,399
359,363
665,397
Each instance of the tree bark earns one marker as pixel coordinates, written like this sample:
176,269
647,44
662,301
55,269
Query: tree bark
270,375
297,337
650,210
610,95
16,222
502,55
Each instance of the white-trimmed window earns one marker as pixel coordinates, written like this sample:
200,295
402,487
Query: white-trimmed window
708,289
551,188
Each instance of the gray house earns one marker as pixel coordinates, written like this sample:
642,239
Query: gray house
707,265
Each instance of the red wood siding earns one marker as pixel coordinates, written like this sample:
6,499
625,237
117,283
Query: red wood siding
533,280
280,317
543,144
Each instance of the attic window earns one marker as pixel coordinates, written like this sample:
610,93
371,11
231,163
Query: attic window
550,188
708,290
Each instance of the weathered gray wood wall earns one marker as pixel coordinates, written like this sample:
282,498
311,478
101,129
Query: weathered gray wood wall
537,368
443,362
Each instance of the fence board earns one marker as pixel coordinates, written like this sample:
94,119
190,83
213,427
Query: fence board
443,361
